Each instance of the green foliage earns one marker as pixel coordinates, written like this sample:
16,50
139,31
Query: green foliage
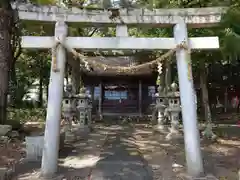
33,65
230,23
23,115
17,117
5,4
44,2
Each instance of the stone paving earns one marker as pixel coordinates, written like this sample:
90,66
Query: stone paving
109,153
119,159
117,152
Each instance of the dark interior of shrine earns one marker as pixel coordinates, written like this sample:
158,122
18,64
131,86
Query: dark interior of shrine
121,95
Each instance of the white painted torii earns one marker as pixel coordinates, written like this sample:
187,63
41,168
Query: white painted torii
118,43
52,129
50,153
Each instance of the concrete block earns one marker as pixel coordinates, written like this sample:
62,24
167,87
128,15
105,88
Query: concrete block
5,174
34,146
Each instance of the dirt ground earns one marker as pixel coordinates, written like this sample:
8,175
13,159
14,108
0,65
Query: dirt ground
14,150
221,158
11,153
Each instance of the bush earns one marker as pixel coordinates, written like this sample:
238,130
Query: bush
22,115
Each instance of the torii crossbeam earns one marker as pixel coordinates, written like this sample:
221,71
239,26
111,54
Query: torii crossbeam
119,43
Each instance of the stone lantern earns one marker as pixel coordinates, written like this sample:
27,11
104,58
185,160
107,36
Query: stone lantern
161,106
89,110
82,107
69,106
174,108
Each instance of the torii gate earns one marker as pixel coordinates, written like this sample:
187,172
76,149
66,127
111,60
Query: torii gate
179,18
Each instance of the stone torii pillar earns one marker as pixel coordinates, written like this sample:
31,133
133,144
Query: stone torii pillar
189,114
55,91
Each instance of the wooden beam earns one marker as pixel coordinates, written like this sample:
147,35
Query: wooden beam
194,17
119,43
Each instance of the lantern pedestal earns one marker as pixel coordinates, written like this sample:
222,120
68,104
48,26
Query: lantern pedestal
77,132
80,132
174,109
161,127
83,107
69,108
160,106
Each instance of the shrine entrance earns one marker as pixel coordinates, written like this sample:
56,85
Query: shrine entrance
118,99
121,96
180,45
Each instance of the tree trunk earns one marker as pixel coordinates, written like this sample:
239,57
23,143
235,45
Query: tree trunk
13,85
162,79
6,55
75,74
205,100
226,100
76,80
40,95
47,91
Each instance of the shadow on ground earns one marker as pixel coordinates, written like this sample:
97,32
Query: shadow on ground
134,151
120,157
168,158
108,153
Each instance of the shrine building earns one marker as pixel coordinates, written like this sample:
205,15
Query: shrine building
120,93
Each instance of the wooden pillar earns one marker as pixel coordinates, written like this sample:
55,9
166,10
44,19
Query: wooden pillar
140,97
189,114
55,95
92,92
226,100
75,74
100,99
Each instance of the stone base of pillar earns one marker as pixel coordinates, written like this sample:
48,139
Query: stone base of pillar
78,132
202,177
34,146
81,131
208,133
6,173
160,128
173,134
90,127
69,137
38,176
62,139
